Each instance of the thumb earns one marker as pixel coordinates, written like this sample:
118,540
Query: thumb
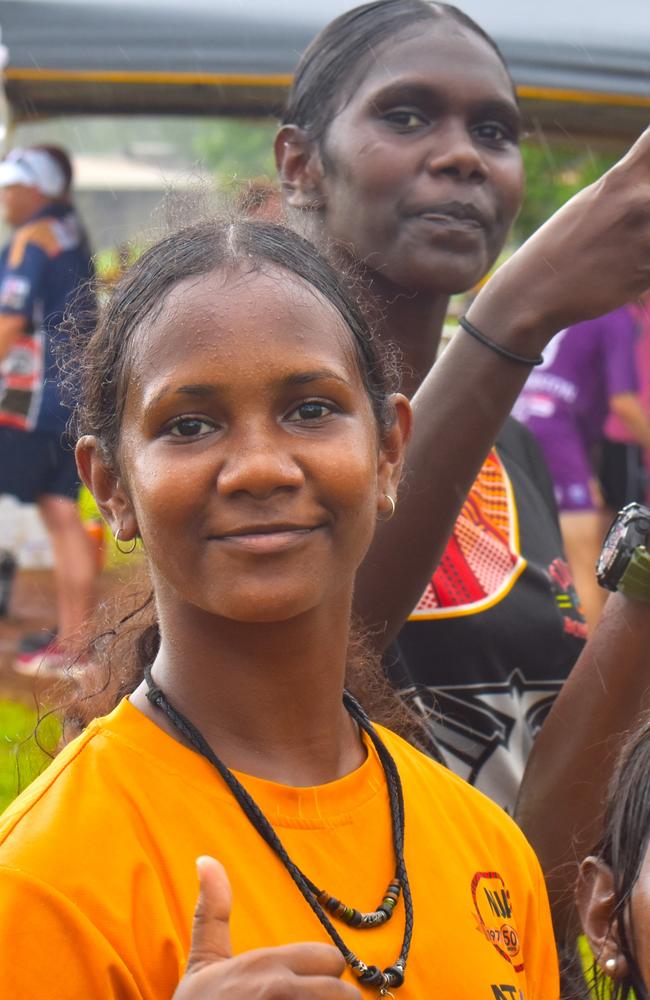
210,928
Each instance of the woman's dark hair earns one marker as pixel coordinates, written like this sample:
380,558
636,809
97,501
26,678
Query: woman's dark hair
337,59
622,847
99,368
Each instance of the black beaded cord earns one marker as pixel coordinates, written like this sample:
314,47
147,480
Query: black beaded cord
370,975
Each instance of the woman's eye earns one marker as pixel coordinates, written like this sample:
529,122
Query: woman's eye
189,427
405,118
495,133
312,410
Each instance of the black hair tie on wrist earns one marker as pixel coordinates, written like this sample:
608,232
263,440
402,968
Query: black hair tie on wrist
521,359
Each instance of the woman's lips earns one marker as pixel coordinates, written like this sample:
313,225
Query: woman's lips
451,221
459,215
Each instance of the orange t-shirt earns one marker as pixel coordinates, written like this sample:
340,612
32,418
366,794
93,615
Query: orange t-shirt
98,883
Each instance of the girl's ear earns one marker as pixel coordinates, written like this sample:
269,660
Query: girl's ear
107,488
299,167
596,903
392,449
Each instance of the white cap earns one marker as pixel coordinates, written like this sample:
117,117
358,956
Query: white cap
33,168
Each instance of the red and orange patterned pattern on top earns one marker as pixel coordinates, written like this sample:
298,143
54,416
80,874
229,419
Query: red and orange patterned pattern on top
482,560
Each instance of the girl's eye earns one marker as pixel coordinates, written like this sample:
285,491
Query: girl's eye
311,410
189,427
405,118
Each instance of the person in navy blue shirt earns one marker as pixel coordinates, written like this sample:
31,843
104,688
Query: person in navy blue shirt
45,271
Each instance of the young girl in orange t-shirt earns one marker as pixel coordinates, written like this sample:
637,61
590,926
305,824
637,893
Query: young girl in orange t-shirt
237,418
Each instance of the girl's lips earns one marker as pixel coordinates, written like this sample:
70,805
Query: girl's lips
265,542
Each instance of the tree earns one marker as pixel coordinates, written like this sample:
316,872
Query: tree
236,149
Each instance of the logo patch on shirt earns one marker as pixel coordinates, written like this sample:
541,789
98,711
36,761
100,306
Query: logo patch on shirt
495,918
14,292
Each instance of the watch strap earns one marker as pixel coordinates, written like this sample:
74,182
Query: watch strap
635,581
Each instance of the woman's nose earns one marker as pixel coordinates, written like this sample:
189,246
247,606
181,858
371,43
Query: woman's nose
454,152
258,463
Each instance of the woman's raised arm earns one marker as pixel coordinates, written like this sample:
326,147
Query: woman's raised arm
591,257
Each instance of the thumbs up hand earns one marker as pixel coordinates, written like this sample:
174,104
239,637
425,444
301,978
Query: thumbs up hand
306,971
211,926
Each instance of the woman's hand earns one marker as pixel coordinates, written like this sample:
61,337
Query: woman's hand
592,256
308,971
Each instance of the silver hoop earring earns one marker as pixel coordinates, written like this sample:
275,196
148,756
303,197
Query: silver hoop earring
125,552
393,507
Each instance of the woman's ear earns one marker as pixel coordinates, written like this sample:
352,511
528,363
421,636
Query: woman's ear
393,448
107,488
596,903
299,167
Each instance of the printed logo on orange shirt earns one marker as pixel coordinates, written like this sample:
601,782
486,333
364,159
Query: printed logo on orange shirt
495,918
506,991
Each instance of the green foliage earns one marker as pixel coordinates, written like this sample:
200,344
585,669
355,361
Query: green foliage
236,149
21,756
554,173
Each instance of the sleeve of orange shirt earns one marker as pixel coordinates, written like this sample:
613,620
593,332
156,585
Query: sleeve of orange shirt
58,954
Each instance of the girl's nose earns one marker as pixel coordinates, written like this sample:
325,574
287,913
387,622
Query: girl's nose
259,465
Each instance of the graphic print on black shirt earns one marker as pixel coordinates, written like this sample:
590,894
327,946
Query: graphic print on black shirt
499,627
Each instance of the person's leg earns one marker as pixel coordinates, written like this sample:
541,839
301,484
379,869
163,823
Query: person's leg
75,560
19,479
621,474
579,502
75,564
583,532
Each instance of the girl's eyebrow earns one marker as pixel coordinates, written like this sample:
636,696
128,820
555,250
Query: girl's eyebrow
207,389
318,375
193,389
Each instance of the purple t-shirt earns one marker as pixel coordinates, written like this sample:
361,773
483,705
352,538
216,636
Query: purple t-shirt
584,366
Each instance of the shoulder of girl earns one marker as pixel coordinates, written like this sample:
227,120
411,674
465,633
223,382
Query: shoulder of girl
449,788
46,784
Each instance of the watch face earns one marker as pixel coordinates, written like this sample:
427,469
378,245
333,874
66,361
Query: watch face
610,550
629,530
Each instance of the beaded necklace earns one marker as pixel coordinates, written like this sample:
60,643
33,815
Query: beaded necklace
370,975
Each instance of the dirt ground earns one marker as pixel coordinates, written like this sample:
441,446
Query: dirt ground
33,608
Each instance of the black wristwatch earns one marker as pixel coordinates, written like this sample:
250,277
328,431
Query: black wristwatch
624,562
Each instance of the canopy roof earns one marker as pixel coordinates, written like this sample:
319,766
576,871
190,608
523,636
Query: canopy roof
580,65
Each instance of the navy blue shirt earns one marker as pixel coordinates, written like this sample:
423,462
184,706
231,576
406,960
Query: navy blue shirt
44,270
